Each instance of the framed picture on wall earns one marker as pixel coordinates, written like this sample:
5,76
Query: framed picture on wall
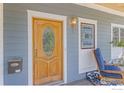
87,36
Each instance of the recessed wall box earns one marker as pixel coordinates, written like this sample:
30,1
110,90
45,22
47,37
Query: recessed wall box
15,65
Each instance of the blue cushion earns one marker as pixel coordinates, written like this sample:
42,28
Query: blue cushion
111,67
111,75
100,59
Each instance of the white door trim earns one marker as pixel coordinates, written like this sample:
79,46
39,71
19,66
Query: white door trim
30,55
1,46
87,61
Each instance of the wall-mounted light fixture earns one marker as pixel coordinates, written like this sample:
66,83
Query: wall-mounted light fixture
73,22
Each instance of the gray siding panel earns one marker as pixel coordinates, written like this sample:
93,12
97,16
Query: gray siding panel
72,57
16,35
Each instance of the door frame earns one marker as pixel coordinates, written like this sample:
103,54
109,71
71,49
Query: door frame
1,47
85,67
32,14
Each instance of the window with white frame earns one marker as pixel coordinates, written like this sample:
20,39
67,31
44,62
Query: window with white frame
117,35
87,35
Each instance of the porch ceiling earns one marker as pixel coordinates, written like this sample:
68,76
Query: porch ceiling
115,6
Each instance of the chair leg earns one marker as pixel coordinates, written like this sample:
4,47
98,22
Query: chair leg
123,75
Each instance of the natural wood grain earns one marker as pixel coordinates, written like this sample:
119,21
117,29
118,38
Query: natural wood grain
115,6
47,68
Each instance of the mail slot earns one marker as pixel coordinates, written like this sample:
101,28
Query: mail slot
15,65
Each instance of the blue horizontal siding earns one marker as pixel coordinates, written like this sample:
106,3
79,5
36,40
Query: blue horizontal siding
16,35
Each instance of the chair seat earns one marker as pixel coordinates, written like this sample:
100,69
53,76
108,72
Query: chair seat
111,75
111,67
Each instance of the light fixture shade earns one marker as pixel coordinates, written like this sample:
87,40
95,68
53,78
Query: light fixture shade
73,21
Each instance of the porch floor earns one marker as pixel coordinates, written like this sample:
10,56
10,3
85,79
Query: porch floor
80,82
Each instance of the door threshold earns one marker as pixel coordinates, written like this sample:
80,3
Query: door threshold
56,83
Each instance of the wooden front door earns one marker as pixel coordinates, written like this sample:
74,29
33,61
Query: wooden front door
47,50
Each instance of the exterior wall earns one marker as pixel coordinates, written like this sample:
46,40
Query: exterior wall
1,44
16,35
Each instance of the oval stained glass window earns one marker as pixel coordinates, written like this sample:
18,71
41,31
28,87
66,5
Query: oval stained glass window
48,41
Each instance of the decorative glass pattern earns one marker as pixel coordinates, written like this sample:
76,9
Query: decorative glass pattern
87,35
48,41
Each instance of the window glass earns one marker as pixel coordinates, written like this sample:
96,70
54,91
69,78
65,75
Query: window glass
87,35
121,34
115,36
48,41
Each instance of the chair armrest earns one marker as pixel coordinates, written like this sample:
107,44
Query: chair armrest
110,64
115,72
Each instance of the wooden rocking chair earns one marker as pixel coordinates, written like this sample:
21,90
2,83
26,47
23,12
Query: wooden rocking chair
108,71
